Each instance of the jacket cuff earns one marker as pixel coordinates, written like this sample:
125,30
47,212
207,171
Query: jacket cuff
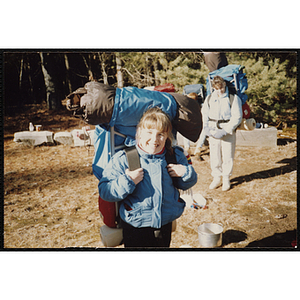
187,174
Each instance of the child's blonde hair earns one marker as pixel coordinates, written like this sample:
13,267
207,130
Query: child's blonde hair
156,118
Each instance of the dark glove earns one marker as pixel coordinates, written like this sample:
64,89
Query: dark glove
219,133
206,131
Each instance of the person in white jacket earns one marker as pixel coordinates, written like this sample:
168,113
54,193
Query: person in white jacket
220,120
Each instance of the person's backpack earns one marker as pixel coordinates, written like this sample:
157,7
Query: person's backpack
234,77
195,88
166,87
236,82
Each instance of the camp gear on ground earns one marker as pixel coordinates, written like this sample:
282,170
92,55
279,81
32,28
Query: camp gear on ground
31,127
248,124
210,235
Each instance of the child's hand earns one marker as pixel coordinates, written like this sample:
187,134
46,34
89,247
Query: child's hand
176,170
136,175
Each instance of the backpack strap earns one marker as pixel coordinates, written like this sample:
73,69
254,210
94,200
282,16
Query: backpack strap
231,98
133,158
171,158
208,99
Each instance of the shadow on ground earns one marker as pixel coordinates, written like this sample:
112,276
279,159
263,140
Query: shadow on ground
285,141
233,236
290,166
278,240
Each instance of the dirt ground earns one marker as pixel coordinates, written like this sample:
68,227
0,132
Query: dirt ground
51,197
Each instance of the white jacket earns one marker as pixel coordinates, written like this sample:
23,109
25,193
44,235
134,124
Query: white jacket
219,108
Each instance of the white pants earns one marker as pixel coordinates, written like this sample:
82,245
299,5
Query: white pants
222,154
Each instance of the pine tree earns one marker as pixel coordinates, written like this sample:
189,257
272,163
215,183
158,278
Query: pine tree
270,91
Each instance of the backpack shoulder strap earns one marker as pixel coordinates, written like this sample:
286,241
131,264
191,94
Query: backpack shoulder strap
208,99
171,158
133,158
231,98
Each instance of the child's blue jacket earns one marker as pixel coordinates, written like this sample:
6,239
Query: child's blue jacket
154,201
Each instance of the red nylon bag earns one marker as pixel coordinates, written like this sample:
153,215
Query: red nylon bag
246,111
108,212
167,88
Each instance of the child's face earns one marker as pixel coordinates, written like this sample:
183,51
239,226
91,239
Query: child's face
221,90
151,140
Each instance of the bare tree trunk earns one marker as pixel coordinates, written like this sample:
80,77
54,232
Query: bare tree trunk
68,73
91,76
103,65
50,88
148,80
120,81
155,67
30,82
21,72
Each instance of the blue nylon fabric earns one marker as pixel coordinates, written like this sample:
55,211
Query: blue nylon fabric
227,74
102,150
193,88
129,105
132,102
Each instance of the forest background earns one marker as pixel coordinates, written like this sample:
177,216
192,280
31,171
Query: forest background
39,77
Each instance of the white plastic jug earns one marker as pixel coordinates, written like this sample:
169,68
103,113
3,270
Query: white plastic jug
111,237
31,127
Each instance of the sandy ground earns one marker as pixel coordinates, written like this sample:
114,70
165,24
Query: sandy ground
51,198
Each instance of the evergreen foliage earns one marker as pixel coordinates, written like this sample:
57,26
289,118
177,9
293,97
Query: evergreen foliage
272,94
183,70
272,76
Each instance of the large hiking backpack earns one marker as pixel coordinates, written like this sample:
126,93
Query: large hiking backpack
236,81
235,78
100,104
